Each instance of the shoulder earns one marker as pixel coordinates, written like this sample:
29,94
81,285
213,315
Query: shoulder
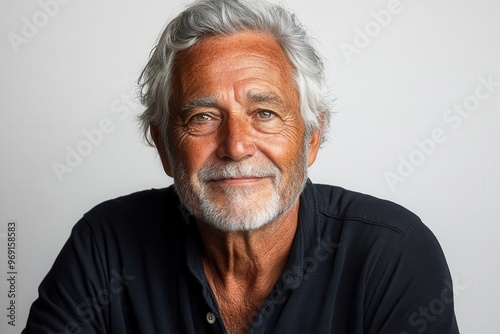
369,227
355,207
137,201
389,261
141,213
138,204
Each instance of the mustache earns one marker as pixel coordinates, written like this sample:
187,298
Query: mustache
213,172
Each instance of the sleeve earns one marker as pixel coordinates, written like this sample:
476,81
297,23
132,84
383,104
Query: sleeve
70,296
413,291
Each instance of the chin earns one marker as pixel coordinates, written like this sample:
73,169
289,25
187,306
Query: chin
238,215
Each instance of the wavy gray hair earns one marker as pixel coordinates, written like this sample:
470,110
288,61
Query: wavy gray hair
205,18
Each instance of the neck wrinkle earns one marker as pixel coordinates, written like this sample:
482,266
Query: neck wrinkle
252,259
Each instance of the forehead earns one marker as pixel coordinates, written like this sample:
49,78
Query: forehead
242,59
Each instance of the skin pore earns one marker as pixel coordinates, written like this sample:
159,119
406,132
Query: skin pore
234,103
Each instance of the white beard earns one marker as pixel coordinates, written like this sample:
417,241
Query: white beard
241,210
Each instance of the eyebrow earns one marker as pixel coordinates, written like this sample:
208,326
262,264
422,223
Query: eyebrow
253,96
199,102
265,97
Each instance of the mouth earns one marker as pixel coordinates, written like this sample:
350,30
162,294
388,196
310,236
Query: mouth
239,180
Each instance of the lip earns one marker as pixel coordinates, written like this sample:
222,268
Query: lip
239,180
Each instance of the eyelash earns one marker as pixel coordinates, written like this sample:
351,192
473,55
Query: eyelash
197,117
262,114
206,123
269,113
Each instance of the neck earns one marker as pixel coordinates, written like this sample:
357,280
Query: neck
249,259
243,267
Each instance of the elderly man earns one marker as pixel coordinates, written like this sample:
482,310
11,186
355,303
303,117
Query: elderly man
243,242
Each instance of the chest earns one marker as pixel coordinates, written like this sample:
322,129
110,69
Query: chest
238,310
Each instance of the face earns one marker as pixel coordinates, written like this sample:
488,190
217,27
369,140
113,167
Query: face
237,144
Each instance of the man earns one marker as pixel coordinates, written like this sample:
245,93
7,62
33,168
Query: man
243,242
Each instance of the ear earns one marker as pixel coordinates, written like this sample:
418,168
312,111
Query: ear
160,146
314,143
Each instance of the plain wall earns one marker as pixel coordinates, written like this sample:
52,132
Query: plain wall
416,122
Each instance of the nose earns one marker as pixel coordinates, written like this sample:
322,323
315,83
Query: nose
236,139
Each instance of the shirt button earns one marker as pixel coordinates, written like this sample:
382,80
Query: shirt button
210,318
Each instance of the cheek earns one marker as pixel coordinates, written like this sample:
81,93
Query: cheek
191,152
285,148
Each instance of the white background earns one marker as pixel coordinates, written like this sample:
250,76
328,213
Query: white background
80,65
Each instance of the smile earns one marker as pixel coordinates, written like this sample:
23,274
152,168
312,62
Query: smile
243,180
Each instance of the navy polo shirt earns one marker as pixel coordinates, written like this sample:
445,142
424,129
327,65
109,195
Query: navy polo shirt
358,264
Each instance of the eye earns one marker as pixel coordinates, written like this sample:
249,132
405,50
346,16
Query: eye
203,123
267,121
201,118
265,114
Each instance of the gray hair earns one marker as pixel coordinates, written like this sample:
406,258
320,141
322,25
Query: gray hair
225,17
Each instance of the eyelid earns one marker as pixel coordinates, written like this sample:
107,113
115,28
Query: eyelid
202,114
192,114
267,111
202,123
273,113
